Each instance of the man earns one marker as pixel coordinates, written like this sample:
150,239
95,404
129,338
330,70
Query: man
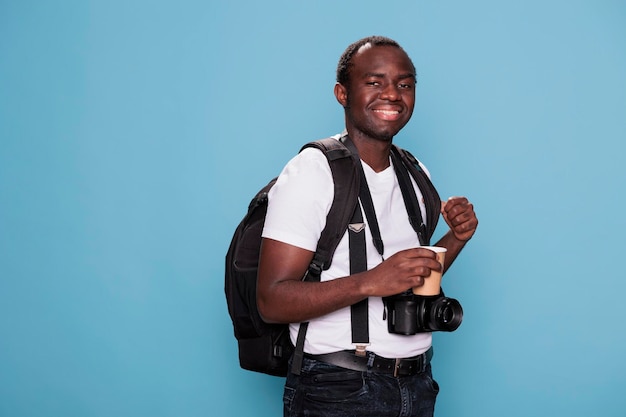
376,87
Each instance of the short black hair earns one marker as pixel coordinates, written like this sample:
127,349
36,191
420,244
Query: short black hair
345,62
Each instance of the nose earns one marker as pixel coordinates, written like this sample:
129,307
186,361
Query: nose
390,92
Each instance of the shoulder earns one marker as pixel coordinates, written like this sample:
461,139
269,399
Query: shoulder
310,162
309,169
316,154
300,200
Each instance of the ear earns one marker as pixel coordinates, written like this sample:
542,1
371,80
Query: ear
341,94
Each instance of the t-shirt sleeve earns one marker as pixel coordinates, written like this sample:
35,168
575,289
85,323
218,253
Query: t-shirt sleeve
300,200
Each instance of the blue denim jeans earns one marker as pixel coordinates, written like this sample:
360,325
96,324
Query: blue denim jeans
324,390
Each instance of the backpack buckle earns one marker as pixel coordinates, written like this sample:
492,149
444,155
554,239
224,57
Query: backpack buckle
361,350
315,270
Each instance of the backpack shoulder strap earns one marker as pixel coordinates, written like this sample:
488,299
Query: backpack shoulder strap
346,183
432,200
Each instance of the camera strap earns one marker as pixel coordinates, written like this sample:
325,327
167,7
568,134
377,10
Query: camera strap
358,254
410,197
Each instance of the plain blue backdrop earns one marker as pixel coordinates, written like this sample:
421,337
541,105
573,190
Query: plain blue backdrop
133,134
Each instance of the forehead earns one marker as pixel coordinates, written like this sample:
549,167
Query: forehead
381,60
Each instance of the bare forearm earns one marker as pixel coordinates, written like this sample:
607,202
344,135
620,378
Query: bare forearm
297,301
453,246
282,295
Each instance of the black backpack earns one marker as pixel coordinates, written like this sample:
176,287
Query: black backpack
265,347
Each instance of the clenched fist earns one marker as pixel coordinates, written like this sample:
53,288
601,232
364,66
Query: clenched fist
459,214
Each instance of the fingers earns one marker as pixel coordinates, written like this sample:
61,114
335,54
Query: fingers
422,267
453,203
420,261
403,270
460,216
457,210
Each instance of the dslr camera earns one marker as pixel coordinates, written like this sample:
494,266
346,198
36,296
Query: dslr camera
408,313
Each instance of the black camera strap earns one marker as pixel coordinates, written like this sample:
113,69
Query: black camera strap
358,254
410,197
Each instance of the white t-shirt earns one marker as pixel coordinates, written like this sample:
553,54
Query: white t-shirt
296,215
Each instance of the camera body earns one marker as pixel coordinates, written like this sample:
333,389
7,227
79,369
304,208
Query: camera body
408,313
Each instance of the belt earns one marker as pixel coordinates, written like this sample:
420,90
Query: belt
372,362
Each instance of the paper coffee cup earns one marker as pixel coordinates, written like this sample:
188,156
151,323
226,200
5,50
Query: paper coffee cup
432,283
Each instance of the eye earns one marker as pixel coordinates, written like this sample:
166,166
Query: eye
406,86
373,83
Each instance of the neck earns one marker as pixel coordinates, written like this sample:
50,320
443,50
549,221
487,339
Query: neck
374,153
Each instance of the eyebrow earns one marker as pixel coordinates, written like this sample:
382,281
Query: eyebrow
381,75
407,75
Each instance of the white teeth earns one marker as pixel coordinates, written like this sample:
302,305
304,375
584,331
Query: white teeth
389,112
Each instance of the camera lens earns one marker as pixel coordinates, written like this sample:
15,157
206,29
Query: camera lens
409,313
446,314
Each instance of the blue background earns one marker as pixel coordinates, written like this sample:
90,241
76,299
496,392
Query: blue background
133,134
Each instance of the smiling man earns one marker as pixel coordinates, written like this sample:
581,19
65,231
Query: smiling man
391,374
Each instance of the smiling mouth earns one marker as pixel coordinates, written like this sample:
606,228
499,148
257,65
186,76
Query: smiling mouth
387,115
387,112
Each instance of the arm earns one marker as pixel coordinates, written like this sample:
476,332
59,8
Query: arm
459,214
283,297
